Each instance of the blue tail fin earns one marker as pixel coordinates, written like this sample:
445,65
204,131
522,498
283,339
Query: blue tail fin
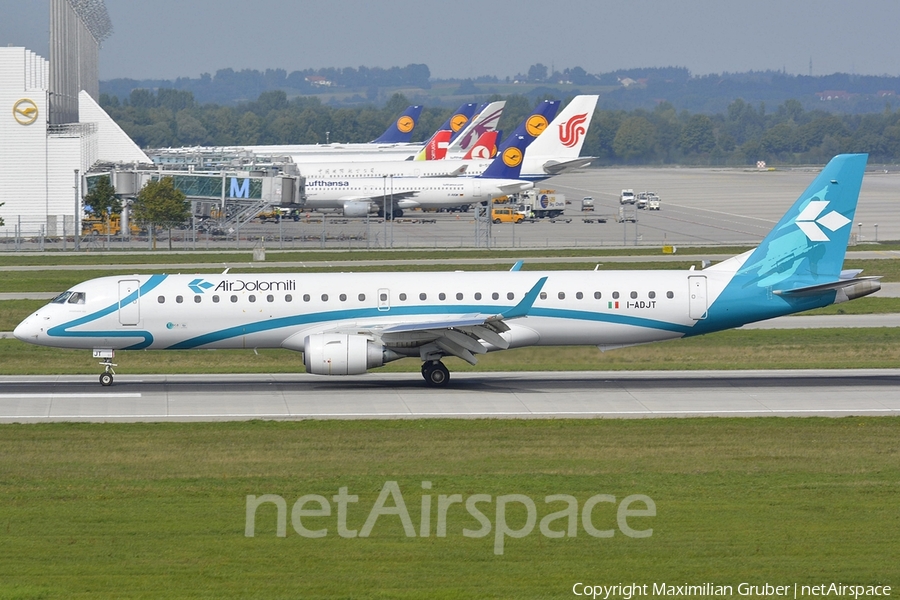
535,124
400,131
457,121
798,265
508,164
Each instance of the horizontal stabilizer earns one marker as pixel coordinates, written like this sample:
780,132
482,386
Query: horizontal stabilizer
848,288
555,167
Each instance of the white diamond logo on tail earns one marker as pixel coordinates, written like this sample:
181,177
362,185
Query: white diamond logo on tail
808,222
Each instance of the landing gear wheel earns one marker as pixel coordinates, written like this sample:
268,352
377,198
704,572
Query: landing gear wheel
106,379
435,374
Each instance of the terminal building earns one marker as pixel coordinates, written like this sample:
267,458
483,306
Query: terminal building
55,137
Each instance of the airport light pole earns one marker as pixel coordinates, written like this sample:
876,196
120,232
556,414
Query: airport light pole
876,232
858,232
77,212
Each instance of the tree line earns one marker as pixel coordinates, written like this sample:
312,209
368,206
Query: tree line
743,134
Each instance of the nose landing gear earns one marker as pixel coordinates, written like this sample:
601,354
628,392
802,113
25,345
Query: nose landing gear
106,355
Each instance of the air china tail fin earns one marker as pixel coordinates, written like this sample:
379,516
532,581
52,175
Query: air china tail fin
564,137
484,148
485,120
535,124
508,163
400,132
798,265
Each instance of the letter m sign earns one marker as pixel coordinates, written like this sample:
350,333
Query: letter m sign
239,190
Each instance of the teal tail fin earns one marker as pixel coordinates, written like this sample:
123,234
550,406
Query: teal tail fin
798,265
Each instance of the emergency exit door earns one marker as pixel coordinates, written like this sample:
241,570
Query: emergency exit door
129,302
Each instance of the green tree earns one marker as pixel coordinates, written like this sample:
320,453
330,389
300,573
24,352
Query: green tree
101,202
697,135
635,139
159,204
2,222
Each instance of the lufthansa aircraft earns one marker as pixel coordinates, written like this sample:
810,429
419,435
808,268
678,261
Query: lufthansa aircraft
347,323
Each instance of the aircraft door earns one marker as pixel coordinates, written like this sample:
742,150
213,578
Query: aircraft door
384,299
129,301
697,297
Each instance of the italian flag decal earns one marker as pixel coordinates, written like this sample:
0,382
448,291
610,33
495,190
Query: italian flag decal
616,303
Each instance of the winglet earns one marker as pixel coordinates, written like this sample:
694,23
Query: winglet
518,265
521,309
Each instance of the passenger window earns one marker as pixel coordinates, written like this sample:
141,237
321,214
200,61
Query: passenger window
495,296
403,297
597,295
615,295
215,299
670,295
651,295
442,296
76,298
343,297
251,298
234,298
422,296
288,298
324,297
383,297
633,295
543,295
510,296
579,295
197,299
161,299
270,298
478,295
179,299
306,297
362,297
459,296
561,295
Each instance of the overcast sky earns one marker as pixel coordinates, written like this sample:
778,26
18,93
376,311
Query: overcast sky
466,38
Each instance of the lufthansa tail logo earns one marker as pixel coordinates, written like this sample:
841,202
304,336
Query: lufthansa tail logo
458,121
512,157
405,124
25,111
535,125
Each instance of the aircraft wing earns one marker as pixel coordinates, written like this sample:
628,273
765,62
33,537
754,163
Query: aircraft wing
458,336
380,199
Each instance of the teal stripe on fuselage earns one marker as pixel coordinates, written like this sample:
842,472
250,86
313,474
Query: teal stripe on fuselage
418,311
63,330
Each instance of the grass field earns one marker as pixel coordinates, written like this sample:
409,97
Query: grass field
159,510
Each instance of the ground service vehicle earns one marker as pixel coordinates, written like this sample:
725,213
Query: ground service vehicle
627,213
506,215
627,197
587,204
653,202
540,204
111,227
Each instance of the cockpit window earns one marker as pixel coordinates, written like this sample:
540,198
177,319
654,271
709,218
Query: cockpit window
76,298
61,299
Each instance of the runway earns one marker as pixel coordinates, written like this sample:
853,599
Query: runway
470,395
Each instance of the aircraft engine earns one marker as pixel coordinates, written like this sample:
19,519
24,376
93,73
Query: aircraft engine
355,208
341,354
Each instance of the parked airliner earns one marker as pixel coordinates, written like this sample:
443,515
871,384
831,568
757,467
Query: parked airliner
347,323
555,150
390,196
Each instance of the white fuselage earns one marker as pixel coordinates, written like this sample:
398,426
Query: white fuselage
603,308
408,192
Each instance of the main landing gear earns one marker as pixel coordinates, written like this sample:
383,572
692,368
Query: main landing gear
435,373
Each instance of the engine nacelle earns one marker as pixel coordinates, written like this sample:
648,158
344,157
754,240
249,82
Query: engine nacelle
340,354
355,208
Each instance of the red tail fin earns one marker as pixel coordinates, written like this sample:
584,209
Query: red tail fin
436,149
484,148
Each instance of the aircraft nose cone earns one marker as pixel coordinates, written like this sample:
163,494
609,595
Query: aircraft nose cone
27,330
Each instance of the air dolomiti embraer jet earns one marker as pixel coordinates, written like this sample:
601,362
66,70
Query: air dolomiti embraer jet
347,323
